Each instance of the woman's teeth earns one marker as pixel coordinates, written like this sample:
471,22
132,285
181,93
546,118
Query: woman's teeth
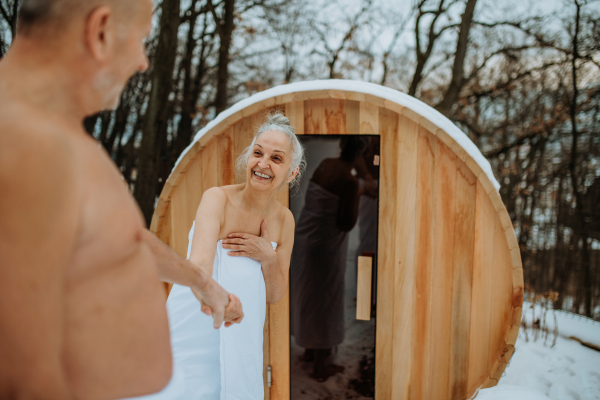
261,175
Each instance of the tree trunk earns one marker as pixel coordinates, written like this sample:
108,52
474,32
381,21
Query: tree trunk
458,69
585,277
225,27
188,104
155,124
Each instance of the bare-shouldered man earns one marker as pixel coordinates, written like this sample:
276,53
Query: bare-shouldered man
82,311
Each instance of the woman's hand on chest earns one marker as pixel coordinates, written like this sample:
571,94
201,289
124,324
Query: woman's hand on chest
258,248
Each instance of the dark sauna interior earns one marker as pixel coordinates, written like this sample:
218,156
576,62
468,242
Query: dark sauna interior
336,212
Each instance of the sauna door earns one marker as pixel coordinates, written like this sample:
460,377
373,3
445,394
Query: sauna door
332,273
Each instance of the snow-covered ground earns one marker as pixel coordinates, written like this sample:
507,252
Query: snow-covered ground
567,371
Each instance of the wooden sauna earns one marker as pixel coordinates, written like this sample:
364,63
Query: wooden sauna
449,288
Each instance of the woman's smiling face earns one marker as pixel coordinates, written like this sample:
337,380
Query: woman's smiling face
269,161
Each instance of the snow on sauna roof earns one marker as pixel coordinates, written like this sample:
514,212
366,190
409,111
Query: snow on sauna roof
361,87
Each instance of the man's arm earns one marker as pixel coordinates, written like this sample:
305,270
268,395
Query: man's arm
38,223
197,273
172,267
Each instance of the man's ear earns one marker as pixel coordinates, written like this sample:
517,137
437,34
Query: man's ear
99,33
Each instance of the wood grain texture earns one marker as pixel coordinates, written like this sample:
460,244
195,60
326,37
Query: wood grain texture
266,356
279,332
194,187
369,118
180,222
243,132
210,166
482,287
363,288
421,380
226,158
443,264
326,116
388,183
165,235
501,303
466,193
352,116
295,113
404,277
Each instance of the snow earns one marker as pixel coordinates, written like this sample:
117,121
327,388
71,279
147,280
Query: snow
569,325
367,88
567,371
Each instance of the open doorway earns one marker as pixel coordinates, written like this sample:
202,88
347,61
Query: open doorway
333,269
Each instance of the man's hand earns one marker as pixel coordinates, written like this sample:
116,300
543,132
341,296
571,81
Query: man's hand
222,306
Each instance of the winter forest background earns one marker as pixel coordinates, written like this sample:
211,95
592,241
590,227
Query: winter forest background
521,78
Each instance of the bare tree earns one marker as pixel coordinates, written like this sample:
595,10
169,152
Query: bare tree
154,125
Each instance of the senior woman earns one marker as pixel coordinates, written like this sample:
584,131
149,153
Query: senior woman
244,237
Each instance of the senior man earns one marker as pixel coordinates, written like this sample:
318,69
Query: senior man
82,309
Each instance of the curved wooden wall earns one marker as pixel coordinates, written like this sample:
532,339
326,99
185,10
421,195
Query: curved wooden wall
450,279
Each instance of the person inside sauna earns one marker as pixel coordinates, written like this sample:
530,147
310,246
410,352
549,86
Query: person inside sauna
319,257
244,238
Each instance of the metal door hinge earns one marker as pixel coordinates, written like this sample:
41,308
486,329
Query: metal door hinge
269,376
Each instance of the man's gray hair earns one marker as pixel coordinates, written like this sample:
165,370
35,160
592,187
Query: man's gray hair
276,122
39,12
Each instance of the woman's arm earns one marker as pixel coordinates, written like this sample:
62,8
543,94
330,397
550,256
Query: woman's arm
209,217
275,263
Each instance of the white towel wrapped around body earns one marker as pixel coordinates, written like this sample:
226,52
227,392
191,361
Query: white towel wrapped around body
223,364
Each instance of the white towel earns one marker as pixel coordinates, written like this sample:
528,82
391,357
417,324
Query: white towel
224,364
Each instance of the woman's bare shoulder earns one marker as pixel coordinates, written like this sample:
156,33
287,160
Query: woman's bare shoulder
284,220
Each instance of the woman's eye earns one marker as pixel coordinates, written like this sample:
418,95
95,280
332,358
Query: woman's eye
257,153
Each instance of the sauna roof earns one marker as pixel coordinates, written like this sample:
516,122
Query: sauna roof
383,92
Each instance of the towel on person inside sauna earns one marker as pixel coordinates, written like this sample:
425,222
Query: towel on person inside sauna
223,364
317,272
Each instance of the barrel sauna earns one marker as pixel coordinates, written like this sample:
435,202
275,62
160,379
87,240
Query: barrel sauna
449,273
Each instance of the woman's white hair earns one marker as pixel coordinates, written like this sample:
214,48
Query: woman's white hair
276,122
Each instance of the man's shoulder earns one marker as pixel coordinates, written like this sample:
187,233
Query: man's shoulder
29,144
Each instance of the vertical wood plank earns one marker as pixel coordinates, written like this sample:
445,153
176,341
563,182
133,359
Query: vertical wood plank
501,307
369,118
363,288
325,116
165,235
353,109
266,356
209,158
180,223
279,333
404,283
443,261
421,381
482,287
466,193
314,117
243,132
194,187
226,160
388,182
295,112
